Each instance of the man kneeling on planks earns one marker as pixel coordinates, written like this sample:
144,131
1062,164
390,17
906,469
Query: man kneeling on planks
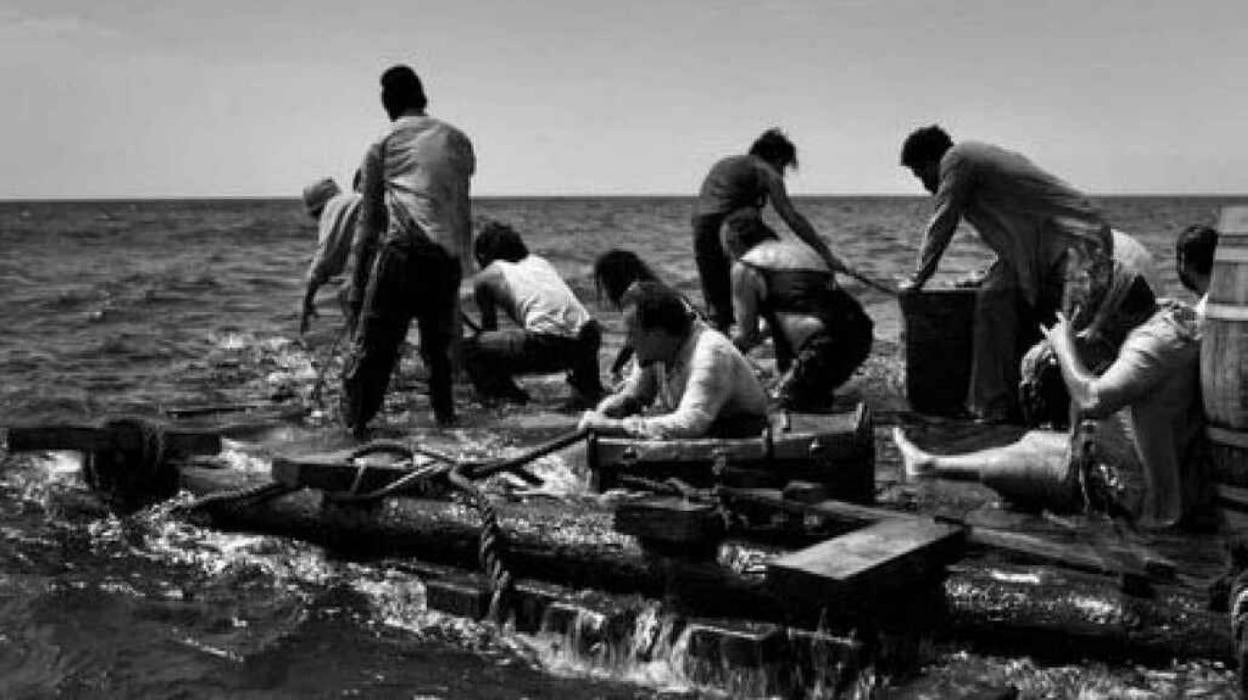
555,331
700,384
821,334
1147,430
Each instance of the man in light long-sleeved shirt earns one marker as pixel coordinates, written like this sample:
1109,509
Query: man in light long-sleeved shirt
1054,251
335,213
697,380
412,246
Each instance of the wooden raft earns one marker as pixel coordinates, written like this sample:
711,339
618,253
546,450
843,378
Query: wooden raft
95,438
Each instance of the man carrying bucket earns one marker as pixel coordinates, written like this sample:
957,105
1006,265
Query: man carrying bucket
1050,241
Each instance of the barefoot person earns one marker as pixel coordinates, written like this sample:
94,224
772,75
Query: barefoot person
1044,233
1149,426
335,213
697,383
555,331
821,334
415,221
747,181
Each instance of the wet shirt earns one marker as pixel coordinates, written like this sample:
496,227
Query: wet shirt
733,183
1025,215
710,380
418,174
1155,384
537,298
335,231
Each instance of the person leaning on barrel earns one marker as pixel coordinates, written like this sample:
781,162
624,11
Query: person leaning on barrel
821,333
1043,232
746,181
1148,428
555,331
699,384
335,213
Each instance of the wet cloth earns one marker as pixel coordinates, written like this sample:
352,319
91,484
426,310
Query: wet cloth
709,383
412,277
735,182
536,297
335,231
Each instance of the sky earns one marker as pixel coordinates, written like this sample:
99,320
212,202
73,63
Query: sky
170,98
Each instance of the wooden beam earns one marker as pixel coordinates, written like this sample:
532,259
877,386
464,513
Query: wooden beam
886,556
89,438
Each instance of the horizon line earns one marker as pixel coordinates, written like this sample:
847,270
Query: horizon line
588,195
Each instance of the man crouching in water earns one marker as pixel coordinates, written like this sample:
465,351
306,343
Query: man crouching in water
1148,427
701,385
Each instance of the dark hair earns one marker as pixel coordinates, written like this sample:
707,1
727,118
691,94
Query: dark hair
357,179
925,145
616,270
498,241
774,147
401,90
744,229
659,307
1195,247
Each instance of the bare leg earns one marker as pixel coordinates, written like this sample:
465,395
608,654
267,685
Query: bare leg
1037,451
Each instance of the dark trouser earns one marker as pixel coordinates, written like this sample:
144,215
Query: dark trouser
827,358
492,358
713,269
410,279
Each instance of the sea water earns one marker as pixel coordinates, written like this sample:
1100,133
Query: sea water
136,307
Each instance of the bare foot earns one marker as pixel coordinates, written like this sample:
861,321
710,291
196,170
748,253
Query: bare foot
916,462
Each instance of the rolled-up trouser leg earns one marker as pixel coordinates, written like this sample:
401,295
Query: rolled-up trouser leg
383,325
713,269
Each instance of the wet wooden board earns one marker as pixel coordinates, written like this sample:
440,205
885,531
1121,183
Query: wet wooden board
884,556
89,438
335,472
669,519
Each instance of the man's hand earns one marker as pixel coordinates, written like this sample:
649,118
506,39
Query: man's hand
305,317
909,285
593,420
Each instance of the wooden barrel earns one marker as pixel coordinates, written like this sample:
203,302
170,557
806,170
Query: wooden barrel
938,345
1224,350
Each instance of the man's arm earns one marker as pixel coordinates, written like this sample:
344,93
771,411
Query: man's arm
638,391
372,221
746,288
711,381
1135,373
779,197
950,200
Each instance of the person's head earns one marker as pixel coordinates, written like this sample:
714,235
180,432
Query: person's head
318,194
616,270
1193,256
922,152
743,229
657,320
402,91
775,148
498,241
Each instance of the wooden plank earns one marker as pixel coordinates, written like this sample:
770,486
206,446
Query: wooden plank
885,556
87,438
1233,498
837,511
335,472
669,519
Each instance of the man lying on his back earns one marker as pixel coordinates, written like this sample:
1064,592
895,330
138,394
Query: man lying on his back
699,383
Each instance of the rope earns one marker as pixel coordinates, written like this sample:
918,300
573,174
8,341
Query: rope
256,494
493,544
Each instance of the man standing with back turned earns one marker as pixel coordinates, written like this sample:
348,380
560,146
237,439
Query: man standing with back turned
1054,252
411,250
